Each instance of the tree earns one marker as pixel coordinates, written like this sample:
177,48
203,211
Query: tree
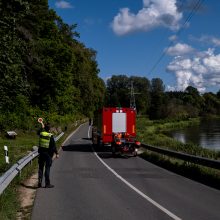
218,94
118,91
192,91
43,65
193,98
212,103
157,108
13,82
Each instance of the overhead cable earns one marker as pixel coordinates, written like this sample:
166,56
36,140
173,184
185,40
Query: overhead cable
189,17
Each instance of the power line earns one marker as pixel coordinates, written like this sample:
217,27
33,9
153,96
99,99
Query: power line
195,8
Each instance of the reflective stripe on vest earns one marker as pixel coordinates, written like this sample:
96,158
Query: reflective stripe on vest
45,139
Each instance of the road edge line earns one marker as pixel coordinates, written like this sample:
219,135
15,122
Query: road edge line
173,216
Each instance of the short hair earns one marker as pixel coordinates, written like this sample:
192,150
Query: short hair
47,127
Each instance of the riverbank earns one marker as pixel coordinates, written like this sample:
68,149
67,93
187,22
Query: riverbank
152,133
206,134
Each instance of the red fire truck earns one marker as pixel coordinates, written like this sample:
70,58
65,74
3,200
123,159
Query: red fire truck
116,127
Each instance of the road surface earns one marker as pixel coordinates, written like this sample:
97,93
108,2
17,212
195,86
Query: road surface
93,185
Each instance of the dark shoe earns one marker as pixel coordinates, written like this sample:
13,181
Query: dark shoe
49,186
39,185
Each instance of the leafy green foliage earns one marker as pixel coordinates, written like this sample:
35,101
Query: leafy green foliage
157,99
119,92
44,68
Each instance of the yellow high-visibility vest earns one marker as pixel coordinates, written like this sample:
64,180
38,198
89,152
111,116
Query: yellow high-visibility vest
45,139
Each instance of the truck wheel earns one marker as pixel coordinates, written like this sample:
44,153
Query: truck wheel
113,151
98,141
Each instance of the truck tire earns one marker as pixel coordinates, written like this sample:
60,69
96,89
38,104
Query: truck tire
113,151
98,141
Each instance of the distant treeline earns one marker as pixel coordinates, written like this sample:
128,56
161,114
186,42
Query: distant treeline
151,98
46,71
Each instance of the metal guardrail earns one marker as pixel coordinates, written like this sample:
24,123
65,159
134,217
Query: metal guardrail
186,157
9,175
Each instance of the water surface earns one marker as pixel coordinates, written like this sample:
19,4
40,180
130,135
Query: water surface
206,134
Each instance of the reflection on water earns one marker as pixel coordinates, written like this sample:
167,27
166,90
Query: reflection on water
207,134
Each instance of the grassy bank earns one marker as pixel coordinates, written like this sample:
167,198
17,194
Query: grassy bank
152,133
18,148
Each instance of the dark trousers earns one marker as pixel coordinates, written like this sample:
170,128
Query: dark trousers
44,160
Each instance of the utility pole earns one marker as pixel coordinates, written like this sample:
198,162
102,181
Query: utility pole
132,97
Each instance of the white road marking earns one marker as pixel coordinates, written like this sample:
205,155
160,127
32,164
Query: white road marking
71,135
89,131
173,216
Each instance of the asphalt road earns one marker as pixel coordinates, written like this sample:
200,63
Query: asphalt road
93,185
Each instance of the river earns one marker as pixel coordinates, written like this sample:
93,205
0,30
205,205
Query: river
206,134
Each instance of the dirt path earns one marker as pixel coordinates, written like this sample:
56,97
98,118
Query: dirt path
26,193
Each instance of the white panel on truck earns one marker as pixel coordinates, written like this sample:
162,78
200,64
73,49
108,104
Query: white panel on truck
119,123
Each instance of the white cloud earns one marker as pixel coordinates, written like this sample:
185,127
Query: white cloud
155,13
207,39
213,63
179,49
200,71
215,41
63,4
210,40
173,38
171,88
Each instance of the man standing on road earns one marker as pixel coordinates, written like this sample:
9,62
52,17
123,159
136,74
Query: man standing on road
46,150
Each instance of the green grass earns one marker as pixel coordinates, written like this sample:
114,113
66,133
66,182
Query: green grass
9,203
9,199
17,148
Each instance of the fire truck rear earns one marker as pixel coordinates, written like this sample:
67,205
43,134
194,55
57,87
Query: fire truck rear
116,127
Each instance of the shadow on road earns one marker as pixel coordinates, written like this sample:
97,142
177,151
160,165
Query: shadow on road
88,139
103,152
78,147
106,155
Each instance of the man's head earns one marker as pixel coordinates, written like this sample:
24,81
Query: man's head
47,127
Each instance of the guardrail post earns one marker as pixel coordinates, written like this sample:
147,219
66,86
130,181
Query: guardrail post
9,175
6,154
19,173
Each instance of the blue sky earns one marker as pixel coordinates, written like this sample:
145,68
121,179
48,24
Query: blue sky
175,40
